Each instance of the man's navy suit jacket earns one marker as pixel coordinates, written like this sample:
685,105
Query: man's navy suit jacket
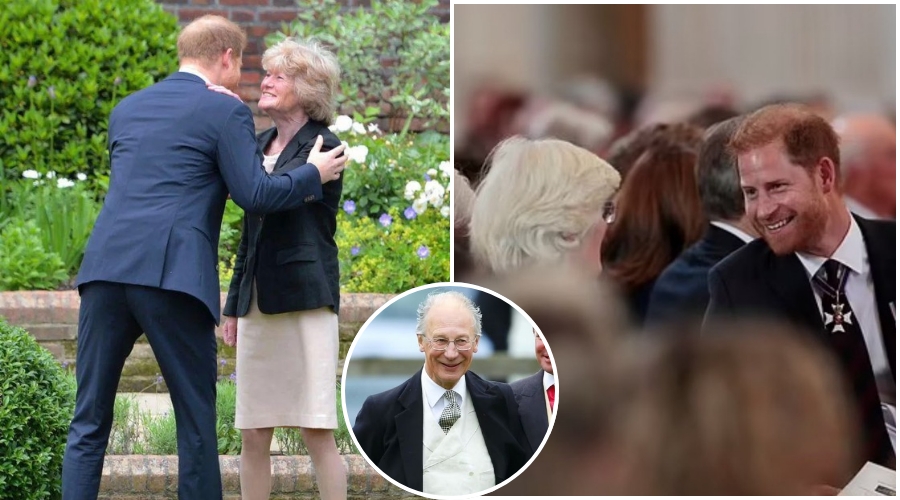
389,429
529,394
177,149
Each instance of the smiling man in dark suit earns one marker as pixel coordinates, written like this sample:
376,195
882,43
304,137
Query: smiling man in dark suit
536,396
445,431
816,265
681,291
177,150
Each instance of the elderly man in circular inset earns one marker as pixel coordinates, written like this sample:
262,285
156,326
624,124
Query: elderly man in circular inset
445,431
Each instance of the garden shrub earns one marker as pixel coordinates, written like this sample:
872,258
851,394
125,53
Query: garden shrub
393,55
24,262
37,401
64,65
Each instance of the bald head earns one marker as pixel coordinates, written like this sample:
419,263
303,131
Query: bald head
868,146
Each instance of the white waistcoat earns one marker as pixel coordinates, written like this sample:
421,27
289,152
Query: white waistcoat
456,463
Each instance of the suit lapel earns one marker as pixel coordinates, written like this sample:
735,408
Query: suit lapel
534,410
882,267
488,406
789,281
409,431
307,133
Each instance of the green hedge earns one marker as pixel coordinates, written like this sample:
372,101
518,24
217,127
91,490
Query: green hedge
64,64
37,401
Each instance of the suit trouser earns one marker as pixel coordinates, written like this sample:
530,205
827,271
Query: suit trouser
182,334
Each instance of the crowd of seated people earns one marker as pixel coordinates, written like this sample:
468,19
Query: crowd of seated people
718,289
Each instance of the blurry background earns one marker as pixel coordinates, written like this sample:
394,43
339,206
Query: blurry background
635,64
386,352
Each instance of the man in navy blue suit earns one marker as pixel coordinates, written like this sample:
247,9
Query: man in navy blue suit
681,293
177,151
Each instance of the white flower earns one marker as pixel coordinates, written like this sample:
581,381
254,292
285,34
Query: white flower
358,128
358,153
51,175
81,177
420,205
64,183
436,200
373,128
431,172
343,123
434,187
412,187
445,168
445,212
30,174
38,183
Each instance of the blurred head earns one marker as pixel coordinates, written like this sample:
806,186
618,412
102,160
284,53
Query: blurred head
658,209
626,151
216,45
540,352
718,178
869,161
541,201
301,76
711,115
758,409
584,321
445,322
789,166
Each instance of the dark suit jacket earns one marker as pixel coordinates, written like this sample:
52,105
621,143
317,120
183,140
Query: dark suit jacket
291,254
389,429
755,281
177,149
682,290
529,394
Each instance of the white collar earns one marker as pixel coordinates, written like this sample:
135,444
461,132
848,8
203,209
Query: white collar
194,70
434,392
746,238
549,380
851,253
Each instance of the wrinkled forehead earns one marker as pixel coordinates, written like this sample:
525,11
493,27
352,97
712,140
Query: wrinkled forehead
450,318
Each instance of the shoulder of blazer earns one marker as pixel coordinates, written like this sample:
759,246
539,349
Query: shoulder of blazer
884,231
529,385
745,261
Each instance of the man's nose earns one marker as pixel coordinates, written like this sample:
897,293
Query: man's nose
451,352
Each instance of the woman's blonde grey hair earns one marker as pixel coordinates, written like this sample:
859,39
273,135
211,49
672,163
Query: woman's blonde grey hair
537,202
315,71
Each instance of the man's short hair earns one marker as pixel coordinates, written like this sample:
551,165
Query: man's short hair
207,38
717,173
434,298
806,136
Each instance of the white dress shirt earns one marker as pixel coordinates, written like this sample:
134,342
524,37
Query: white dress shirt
860,292
746,238
434,394
188,68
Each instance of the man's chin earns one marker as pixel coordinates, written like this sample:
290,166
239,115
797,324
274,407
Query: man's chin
781,247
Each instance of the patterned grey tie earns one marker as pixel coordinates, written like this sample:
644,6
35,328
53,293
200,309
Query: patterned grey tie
451,412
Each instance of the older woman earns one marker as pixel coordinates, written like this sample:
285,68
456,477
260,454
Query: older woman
542,201
282,306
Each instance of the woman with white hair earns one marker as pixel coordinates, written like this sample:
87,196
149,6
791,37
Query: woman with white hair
542,201
282,306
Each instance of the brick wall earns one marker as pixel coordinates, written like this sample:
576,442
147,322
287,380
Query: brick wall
52,318
259,18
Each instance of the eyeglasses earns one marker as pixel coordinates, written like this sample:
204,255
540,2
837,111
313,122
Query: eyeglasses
609,212
441,344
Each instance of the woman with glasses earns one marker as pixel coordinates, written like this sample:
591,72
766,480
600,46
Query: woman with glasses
542,202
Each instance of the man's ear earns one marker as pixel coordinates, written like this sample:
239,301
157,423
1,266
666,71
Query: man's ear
421,342
827,175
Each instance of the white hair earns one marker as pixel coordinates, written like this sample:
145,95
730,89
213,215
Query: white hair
537,202
434,298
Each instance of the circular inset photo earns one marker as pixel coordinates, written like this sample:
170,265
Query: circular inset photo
450,390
